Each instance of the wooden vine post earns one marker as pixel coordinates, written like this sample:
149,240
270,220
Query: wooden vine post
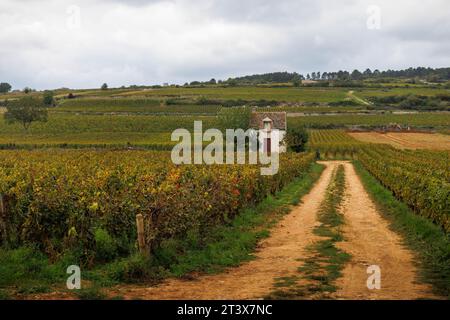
2,206
143,249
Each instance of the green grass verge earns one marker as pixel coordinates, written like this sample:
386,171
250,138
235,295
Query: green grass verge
427,240
25,271
93,293
324,265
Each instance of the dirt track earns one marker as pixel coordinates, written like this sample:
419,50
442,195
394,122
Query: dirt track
370,242
367,238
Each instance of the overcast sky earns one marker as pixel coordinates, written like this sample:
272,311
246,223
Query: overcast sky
81,43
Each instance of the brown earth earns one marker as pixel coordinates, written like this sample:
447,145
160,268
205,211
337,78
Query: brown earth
406,140
370,242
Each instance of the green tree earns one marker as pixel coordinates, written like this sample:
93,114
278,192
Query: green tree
356,75
25,111
104,86
296,139
5,87
49,99
27,90
367,73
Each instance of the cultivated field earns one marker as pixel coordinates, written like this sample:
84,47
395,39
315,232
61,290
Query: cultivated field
249,93
153,131
404,140
416,120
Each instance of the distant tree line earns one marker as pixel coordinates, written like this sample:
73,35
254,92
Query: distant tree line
268,77
439,74
339,78
6,87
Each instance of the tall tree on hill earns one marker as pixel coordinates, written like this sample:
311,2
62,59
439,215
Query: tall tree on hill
367,73
5,87
49,99
356,75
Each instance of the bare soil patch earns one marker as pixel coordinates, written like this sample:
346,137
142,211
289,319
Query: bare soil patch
406,140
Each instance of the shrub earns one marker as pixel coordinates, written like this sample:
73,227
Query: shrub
105,246
296,139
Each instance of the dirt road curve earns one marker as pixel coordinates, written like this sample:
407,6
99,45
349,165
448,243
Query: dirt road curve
370,242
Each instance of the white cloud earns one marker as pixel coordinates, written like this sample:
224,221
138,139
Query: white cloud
146,42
